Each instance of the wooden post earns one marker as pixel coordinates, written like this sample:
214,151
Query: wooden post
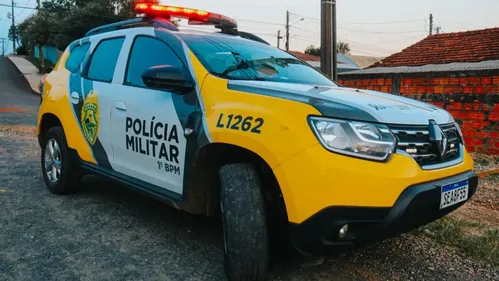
42,59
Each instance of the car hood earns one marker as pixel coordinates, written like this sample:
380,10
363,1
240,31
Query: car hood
348,103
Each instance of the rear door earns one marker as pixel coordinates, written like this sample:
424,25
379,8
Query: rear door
97,89
147,125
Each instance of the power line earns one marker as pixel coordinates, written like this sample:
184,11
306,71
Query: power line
23,9
261,22
310,18
384,22
360,23
308,30
305,36
382,32
305,39
366,53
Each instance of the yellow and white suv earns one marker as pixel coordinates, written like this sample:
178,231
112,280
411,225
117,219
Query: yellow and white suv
211,122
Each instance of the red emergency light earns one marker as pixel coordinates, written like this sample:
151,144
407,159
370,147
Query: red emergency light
194,16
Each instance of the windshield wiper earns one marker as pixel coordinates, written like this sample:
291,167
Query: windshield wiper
242,64
242,78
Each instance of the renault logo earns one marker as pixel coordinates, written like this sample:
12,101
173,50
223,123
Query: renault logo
438,138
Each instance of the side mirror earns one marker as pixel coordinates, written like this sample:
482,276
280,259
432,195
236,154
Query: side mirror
167,77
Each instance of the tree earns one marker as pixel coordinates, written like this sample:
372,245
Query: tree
36,31
60,22
11,35
341,48
312,50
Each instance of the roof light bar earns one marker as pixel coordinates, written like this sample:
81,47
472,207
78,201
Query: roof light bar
194,16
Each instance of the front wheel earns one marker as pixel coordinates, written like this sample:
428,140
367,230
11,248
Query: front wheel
246,245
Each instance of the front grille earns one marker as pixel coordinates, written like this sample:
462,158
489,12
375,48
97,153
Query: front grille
415,140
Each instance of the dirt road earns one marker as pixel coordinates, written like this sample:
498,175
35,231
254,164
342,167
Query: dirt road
106,232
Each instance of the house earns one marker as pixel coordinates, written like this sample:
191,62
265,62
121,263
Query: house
457,71
364,61
345,63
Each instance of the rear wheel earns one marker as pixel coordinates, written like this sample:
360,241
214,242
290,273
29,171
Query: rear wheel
60,171
244,223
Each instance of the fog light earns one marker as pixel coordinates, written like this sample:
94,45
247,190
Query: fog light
343,231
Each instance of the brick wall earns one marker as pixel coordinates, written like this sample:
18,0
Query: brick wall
472,98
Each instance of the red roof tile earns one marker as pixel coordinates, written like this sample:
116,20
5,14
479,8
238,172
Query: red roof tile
470,46
305,57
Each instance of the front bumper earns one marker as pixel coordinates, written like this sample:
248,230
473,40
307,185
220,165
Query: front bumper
417,205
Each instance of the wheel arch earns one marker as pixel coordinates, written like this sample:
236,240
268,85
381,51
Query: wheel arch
47,121
204,187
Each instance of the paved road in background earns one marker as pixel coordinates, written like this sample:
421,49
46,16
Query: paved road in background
14,94
106,232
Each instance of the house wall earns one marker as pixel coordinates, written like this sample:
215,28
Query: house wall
50,53
471,97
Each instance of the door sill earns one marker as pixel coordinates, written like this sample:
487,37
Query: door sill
136,185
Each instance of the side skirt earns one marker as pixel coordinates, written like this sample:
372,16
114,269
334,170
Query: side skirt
173,199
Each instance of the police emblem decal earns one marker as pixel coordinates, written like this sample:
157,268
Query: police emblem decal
90,117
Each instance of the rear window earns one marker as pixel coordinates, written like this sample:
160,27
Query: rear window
104,60
76,56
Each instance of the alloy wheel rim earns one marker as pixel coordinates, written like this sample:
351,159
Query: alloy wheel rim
53,160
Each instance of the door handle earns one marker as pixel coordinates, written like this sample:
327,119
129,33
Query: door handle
75,98
120,105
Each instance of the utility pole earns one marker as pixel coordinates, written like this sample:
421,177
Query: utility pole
279,37
3,41
13,30
431,24
287,31
328,39
41,54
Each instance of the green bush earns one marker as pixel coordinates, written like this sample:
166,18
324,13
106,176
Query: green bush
21,50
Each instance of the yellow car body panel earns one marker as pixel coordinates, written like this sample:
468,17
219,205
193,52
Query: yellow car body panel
316,179
56,102
284,133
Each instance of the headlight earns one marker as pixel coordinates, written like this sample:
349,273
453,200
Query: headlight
366,140
459,132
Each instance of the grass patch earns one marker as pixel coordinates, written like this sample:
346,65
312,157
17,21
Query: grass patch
36,62
471,238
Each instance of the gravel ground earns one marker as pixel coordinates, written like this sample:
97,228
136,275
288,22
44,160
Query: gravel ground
106,232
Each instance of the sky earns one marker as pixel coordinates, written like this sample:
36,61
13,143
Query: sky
371,27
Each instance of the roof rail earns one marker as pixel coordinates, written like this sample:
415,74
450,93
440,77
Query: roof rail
136,22
253,37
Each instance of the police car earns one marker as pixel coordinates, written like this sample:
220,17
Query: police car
223,123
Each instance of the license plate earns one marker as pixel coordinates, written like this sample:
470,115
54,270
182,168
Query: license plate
454,193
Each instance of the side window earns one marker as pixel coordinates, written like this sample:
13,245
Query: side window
76,56
147,52
104,60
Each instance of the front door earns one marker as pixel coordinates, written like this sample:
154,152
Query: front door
147,125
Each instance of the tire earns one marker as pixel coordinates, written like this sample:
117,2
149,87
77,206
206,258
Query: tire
68,176
246,244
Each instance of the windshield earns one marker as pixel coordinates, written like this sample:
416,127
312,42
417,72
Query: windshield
236,58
